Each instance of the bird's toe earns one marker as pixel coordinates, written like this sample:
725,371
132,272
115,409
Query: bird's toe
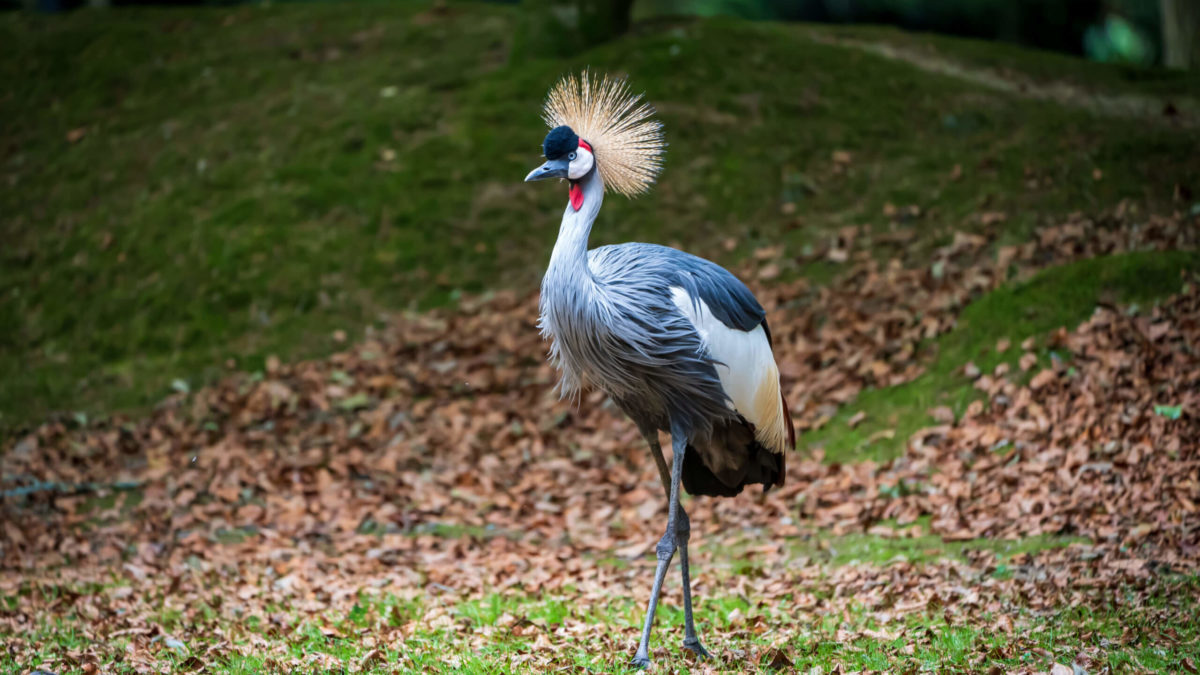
696,648
640,662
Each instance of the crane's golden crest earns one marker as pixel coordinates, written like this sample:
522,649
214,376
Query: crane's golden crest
626,140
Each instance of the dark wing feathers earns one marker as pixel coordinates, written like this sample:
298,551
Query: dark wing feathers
726,296
735,306
731,303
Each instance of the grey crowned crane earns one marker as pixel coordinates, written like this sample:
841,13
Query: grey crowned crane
677,342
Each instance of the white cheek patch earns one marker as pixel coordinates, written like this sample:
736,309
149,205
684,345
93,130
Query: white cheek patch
582,164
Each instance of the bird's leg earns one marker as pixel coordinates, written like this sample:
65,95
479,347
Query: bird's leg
664,472
690,641
683,530
665,549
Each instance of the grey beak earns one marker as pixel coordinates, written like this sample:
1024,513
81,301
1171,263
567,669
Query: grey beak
553,168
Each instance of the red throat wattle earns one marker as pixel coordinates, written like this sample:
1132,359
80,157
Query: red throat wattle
576,196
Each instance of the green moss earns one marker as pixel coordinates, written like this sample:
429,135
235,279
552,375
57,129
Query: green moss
1058,297
873,549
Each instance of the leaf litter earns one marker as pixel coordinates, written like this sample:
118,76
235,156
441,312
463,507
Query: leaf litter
433,462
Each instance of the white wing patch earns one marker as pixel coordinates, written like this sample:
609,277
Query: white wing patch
746,368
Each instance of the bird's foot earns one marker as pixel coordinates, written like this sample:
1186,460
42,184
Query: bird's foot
640,661
693,644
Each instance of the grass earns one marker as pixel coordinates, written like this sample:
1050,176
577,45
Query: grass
245,182
1126,636
851,549
1057,297
831,551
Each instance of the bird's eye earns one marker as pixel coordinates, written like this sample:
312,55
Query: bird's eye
571,157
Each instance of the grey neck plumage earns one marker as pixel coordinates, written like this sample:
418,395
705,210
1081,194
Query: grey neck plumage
571,294
570,251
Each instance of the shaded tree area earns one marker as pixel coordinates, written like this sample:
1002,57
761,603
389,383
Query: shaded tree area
1137,31
565,27
1058,25
1181,33
1121,30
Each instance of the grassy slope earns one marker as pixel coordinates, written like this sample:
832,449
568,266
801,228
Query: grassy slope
1058,297
232,196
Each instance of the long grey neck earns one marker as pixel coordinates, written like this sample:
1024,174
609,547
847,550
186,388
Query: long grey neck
569,258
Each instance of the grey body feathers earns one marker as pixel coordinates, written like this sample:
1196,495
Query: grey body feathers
615,326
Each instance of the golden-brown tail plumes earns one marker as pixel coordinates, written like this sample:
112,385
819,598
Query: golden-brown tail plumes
627,142
787,417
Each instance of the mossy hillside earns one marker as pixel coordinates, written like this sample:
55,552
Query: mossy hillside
1057,297
250,180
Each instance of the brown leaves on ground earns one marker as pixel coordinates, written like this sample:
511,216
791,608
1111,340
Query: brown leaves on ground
1079,450
316,482
866,329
